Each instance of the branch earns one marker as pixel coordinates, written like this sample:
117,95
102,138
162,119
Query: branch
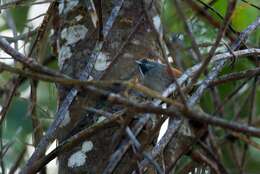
217,66
235,76
222,30
141,108
28,62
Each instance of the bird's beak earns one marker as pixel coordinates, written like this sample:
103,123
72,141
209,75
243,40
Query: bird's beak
138,62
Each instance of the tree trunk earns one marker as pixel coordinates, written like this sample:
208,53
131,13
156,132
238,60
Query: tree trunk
130,39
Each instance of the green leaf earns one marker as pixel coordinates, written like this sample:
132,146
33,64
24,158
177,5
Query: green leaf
171,19
221,7
17,123
19,15
47,95
243,16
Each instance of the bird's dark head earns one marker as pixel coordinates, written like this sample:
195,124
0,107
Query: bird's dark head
146,65
154,75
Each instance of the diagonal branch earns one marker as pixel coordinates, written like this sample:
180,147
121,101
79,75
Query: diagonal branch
217,66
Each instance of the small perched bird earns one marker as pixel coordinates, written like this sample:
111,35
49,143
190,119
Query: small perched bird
157,76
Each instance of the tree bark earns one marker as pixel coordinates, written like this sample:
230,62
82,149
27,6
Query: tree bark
131,29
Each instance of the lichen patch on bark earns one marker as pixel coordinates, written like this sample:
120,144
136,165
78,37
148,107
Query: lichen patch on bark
64,53
78,158
74,34
87,146
102,62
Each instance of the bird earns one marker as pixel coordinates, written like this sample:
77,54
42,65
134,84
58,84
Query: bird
155,75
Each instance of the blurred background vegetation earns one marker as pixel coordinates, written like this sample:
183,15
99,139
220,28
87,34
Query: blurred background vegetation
27,16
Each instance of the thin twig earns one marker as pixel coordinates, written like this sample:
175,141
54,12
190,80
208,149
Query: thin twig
230,96
7,102
220,166
220,64
138,147
20,36
235,76
76,82
159,36
73,141
42,29
18,161
201,158
114,98
161,145
188,30
28,62
222,30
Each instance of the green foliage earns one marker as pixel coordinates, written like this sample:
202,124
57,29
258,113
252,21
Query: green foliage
47,95
19,15
244,15
221,7
204,32
169,17
252,165
18,124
